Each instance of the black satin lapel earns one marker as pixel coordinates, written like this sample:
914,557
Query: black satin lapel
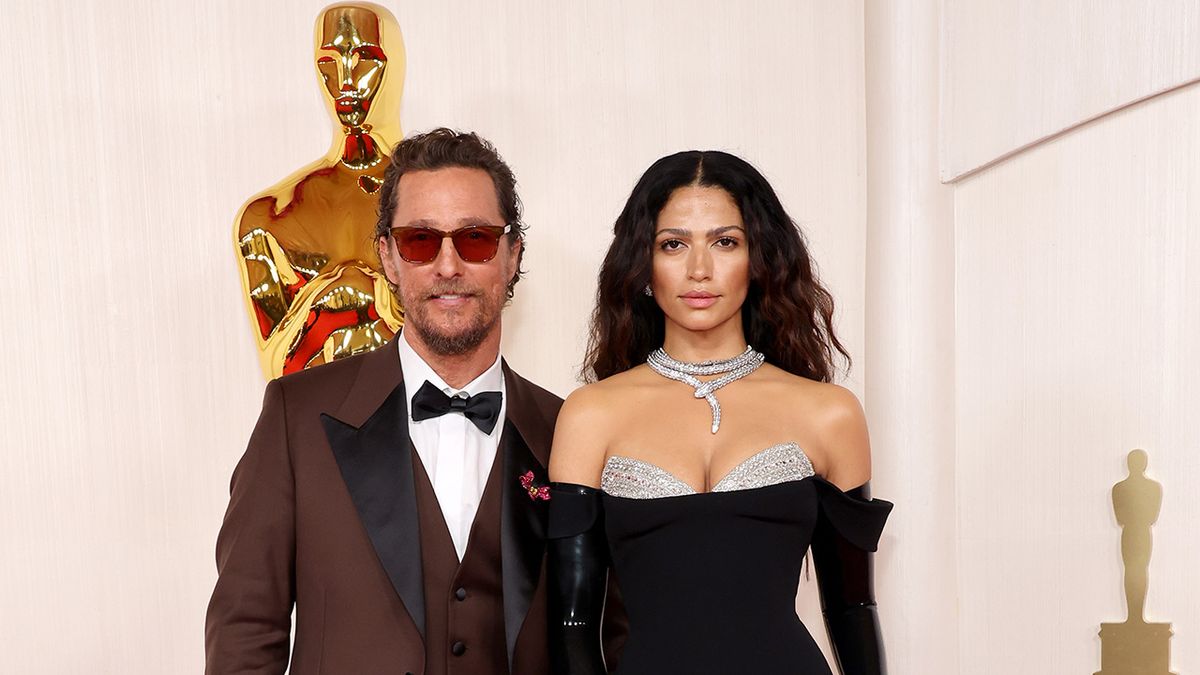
522,533
376,464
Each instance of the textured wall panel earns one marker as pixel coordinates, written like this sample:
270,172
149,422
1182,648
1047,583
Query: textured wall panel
1076,342
910,338
1016,71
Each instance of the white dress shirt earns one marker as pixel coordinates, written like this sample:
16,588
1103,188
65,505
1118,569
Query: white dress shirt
457,455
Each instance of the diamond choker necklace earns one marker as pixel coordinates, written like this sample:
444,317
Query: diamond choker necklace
730,370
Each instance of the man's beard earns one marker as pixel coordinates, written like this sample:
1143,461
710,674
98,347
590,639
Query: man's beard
452,343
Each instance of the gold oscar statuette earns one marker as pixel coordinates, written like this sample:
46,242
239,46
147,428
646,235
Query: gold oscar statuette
305,246
1136,647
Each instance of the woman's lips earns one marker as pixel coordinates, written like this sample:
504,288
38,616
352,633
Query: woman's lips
699,300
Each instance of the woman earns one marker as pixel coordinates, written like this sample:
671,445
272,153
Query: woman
710,448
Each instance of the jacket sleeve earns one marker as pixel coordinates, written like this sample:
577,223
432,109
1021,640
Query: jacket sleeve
249,616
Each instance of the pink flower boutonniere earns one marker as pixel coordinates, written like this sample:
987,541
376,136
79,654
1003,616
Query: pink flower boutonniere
535,491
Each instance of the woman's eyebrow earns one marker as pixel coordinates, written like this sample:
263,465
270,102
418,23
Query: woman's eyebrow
677,231
683,232
722,230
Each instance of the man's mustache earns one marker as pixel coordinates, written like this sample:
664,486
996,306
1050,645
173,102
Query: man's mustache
451,289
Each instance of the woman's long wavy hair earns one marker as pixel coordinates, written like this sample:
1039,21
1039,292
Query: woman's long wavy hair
788,313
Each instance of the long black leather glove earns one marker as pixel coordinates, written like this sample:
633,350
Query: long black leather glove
577,569
845,578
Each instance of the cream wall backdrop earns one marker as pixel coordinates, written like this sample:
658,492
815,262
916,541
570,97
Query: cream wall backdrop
1077,342
1016,331
135,130
1075,334
909,387
1019,71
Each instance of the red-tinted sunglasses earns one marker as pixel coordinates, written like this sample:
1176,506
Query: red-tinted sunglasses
474,243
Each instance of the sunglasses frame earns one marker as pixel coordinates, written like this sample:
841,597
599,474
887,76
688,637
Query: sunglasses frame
499,230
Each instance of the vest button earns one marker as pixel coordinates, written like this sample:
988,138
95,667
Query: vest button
458,649
461,594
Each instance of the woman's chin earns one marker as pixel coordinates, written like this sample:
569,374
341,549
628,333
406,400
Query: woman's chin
700,320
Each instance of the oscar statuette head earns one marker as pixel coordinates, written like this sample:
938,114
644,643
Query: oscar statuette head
359,55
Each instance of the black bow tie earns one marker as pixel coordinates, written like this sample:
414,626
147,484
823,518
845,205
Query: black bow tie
483,409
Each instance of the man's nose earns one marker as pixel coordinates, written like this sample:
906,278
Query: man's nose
448,263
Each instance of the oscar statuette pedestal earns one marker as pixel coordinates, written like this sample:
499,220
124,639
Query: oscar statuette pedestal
1135,648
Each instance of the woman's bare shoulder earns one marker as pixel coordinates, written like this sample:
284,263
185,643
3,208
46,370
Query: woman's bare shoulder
813,396
599,400
586,423
834,424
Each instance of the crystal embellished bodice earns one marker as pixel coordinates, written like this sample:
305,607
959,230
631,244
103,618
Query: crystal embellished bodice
635,479
709,579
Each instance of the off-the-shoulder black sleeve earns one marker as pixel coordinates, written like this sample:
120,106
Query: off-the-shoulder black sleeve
577,568
847,532
858,519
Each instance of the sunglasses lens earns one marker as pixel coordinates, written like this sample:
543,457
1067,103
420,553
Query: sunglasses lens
418,244
421,245
477,244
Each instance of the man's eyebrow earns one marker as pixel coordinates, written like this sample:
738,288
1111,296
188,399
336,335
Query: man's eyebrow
469,221
474,221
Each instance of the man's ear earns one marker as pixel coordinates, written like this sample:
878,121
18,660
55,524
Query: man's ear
515,253
384,249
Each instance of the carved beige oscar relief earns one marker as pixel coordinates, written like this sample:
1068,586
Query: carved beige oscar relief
1136,647
305,248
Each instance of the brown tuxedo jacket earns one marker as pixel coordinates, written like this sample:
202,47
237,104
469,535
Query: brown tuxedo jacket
323,515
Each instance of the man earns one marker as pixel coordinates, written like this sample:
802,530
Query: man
394,496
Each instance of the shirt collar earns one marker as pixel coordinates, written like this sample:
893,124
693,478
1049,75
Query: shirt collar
417,372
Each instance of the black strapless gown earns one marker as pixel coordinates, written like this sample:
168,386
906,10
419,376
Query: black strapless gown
709,579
